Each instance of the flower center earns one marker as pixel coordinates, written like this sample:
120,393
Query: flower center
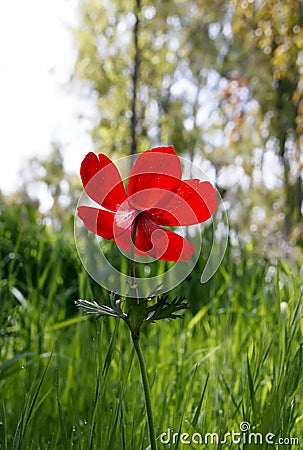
125,216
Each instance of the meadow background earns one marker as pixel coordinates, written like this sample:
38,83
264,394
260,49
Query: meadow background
222,81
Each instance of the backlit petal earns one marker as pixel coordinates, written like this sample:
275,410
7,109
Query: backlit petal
156,173
194,202
102,181
98,221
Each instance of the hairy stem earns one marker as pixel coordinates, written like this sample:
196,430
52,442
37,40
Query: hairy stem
136,341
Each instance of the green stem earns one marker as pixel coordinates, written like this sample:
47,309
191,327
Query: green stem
136,341
143,369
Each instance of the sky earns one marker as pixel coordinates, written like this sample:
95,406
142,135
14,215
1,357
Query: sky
37,105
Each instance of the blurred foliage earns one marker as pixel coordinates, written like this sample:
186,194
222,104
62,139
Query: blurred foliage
221,81
46,183
69,381
40,275
32,257
106,61
267,52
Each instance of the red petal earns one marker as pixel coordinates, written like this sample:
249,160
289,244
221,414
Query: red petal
155,173
99,221
193,203
160,243
155,242
101,181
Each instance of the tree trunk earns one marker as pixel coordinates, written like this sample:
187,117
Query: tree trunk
133,149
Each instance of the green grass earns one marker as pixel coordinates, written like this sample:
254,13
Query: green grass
72,382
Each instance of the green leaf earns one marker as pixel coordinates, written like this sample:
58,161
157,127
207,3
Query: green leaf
165,309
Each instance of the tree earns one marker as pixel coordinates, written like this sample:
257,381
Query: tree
267,50
184,73
133,55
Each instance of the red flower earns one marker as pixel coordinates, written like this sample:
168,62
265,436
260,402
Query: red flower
156,195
